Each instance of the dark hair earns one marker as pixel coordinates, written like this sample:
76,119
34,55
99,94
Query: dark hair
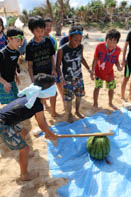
48,20
75,28
2,24
44,80
113,34
36,21
13,31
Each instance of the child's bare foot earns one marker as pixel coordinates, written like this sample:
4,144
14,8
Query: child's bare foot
70,118
79,115
54,114
113,106
95,105
31,153
124,100
28,176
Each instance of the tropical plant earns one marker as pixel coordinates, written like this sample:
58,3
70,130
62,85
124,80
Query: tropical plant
110,6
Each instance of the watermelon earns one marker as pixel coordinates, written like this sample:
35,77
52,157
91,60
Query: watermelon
98,147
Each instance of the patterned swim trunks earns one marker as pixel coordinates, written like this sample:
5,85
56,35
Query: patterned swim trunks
74,87
11,137
109,84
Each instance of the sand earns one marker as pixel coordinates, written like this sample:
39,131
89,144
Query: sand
45,185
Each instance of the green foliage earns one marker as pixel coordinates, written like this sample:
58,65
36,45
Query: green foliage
95,13
11,20
110,3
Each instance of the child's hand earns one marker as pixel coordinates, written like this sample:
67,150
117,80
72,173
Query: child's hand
63,81
51,136
7,87
123,63
54,72
119,68
92,75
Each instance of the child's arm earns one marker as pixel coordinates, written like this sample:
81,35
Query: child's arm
119,68
53,66
93,68
44,126
58,62
17,78
30,65
84,62
124,53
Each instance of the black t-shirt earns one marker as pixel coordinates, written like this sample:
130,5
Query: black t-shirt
16,111
71,61
8,63
40,54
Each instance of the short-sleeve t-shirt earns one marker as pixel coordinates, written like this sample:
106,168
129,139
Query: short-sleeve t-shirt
71,60
40,54
16,111
105,61
8,63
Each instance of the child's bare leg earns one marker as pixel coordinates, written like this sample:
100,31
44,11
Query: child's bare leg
23,158
60,88
23,134
77,103
95,96
110,94
123,87
68,109
53,105
45,104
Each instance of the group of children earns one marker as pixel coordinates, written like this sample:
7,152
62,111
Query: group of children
44,66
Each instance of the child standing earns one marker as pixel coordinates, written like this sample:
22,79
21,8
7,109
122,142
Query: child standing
8,66
48,28
40,54
71,56
127,64
106,55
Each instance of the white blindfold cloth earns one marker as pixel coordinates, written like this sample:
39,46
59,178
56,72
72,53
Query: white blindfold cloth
33,92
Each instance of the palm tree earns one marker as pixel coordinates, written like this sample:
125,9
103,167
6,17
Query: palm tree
24,17
57,14
110,6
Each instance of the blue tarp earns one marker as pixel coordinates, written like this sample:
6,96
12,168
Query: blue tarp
88,177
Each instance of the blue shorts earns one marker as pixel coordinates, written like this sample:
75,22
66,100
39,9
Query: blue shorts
58,79
11,137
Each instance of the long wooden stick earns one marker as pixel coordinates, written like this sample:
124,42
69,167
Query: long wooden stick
85,135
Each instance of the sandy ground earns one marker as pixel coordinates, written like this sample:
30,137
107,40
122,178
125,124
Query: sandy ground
45,185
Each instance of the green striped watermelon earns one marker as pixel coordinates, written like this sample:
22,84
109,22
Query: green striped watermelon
98,147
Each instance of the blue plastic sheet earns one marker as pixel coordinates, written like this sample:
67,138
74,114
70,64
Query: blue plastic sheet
88,177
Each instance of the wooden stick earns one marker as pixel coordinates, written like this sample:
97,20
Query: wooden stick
85,135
